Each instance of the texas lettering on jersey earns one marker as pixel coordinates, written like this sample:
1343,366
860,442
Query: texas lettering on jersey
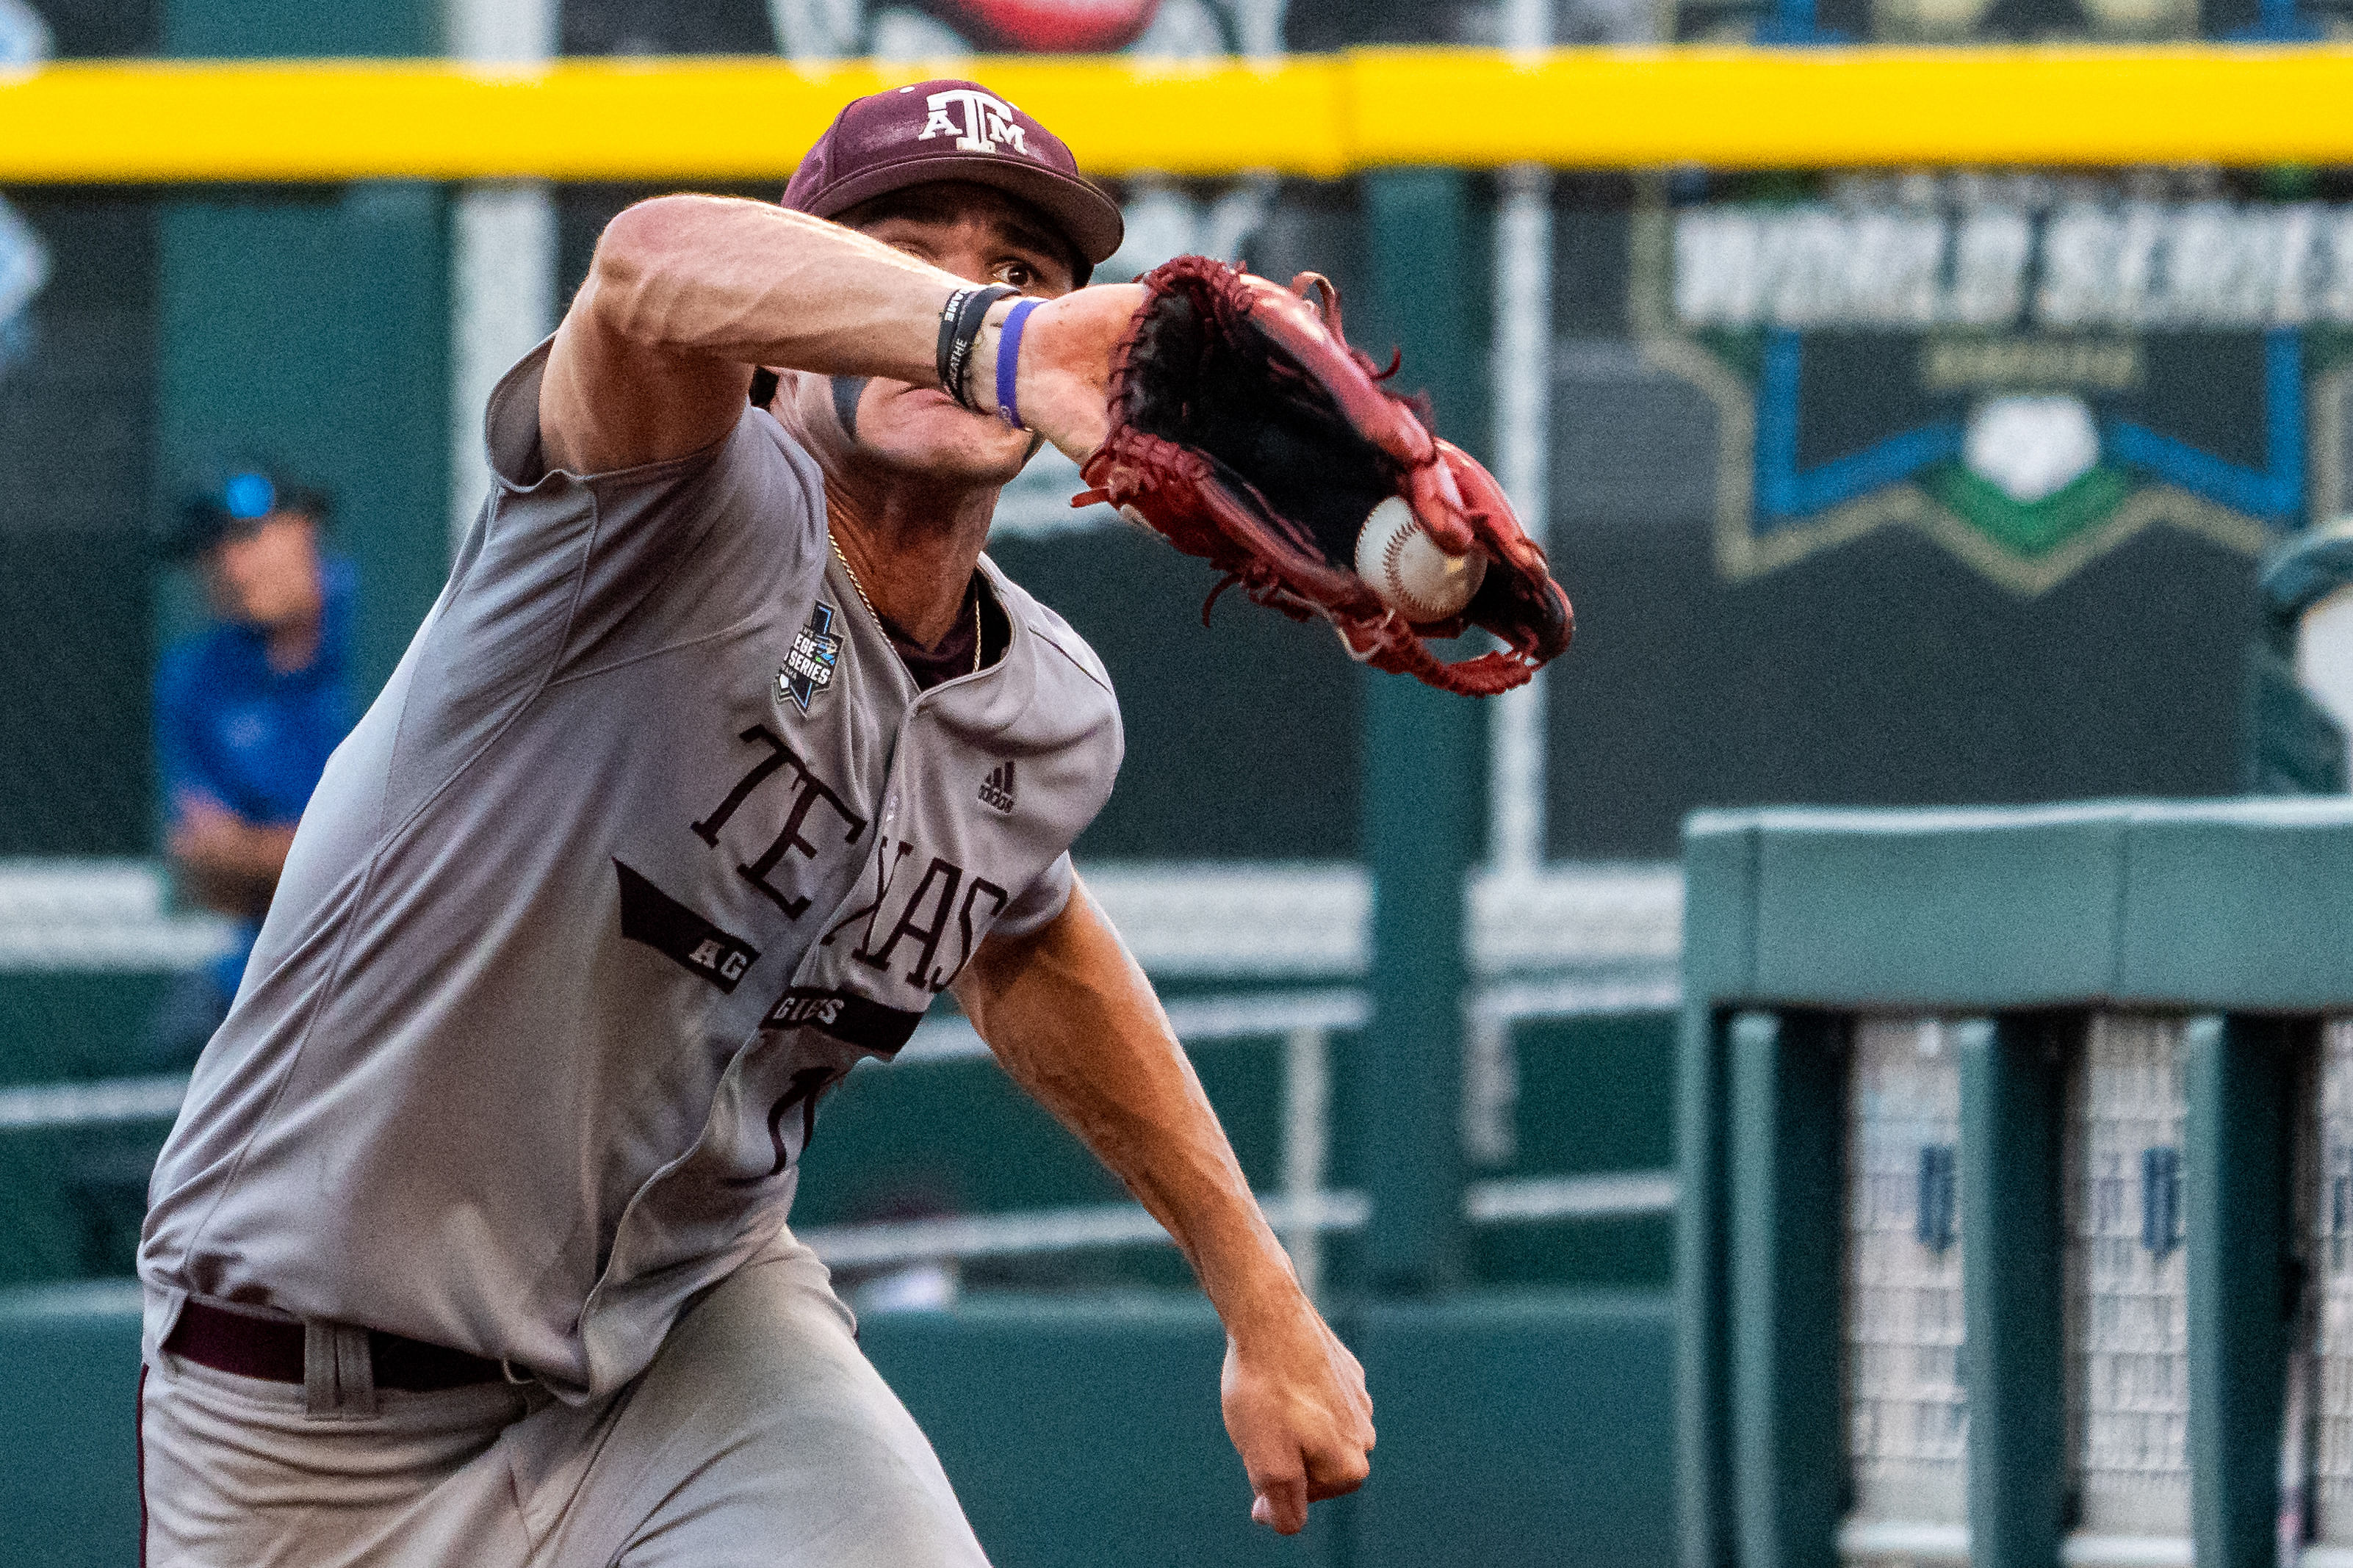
808,793
918,913
919,916
918,928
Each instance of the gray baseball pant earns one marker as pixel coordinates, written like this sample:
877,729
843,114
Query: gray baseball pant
760,1434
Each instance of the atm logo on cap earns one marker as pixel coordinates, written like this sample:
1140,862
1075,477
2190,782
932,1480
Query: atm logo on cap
988,122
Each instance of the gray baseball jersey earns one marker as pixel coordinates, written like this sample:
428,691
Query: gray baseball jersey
649,839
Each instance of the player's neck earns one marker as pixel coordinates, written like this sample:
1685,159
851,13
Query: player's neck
912,548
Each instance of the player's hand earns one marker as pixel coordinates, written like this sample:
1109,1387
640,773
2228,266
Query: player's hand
213,836
1063,382
1298,1414
227,864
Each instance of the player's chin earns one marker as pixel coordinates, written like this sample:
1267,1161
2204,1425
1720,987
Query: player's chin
932,436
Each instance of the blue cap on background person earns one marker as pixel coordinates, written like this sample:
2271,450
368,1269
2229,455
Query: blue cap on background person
236,506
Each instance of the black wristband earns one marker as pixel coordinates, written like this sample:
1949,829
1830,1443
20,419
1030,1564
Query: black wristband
960,322
950,313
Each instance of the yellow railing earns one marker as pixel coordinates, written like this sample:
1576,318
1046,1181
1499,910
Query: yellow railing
1315,115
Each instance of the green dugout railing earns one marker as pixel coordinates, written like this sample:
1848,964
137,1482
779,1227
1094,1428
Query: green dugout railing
2018,1188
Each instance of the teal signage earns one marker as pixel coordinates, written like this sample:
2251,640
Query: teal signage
2031,370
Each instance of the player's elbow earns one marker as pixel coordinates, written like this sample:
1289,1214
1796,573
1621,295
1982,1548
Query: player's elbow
642,267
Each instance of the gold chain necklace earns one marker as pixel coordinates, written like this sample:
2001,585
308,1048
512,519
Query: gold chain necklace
876,616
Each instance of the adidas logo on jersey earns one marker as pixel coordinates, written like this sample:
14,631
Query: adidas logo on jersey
996,789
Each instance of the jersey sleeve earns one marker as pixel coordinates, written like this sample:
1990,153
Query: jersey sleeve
638,559
1035,906
563,576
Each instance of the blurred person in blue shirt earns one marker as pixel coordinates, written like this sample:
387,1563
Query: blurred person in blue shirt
247,713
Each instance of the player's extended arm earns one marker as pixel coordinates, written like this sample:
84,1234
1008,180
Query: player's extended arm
687,294
1076,1025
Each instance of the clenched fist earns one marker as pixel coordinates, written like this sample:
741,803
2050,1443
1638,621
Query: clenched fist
1297,1411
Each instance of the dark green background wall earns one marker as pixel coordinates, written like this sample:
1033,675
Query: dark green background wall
76,422
1517,1431
310,328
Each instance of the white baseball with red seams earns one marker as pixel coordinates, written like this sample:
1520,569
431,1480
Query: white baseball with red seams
1413,576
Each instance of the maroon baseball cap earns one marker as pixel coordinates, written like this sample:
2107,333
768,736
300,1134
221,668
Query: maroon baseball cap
952,130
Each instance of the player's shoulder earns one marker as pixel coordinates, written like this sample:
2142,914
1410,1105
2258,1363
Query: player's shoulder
1057,636
514,449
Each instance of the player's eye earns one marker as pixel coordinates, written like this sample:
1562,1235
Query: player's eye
1019,274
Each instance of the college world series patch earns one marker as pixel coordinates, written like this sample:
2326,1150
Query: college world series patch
808,669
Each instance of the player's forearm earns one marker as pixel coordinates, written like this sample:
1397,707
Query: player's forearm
749,283
1076,1025
232,868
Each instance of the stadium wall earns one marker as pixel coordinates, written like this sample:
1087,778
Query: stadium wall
1488,1452
2007,1141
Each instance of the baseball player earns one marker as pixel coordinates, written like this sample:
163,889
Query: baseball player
724,752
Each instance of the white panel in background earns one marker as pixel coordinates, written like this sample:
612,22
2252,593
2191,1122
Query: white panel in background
1523,402
24,38
1181,30
1578,937
1037,504
904,36
92,916
813,30
501,251
1164,219
1601,920
1907,1417
2330,1209
2128,1313
1258,25
502,300
23,260
1491,1091
1521,358
500,32
1523,26
1306,1143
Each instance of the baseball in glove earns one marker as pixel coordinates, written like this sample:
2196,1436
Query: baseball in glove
1245,430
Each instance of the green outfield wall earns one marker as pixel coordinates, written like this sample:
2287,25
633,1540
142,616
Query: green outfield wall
1517,1430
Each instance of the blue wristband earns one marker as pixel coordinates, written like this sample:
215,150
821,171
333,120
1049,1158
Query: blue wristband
1008,357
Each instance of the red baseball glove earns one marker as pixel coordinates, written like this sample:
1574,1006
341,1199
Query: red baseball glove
1245,430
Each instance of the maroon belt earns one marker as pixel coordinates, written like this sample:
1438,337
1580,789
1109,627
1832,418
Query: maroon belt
270,1350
